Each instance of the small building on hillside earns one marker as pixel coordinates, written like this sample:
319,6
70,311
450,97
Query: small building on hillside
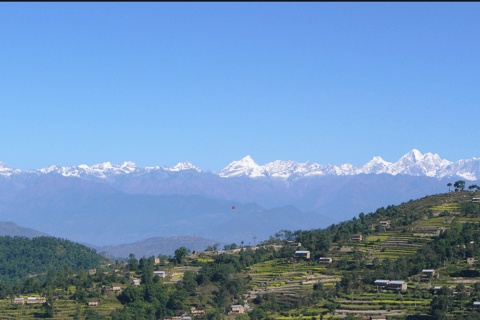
325,260
397,285
295,244
161,274
93,303
385,224
135,282
476,200
236,309
302,254
92,272
19,301
428,274
116,288
113,288
196,311
157,260
378,317
357,237
36,300
476,304
381,283
471,260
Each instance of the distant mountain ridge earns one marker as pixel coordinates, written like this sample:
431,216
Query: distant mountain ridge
8,228
413,163
157,246
109,204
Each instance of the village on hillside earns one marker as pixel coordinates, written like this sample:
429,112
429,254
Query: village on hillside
394,263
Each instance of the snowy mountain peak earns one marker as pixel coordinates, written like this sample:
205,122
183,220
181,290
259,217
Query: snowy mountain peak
6,170
129,164
414,156
376,165
52,168
184,166
248,161
246,166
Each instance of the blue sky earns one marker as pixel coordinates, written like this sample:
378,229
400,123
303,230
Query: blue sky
160,83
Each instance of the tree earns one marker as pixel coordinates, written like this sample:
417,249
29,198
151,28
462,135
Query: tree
180,254
474,186
146,266
449,185
130,295
442,303
331,306
459,185
132,262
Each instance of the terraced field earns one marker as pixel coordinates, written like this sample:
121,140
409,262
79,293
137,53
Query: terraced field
451,207
287,278
64,309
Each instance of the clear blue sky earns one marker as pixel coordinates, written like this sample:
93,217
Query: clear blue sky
160,83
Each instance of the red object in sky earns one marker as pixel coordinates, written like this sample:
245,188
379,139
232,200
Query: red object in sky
233,207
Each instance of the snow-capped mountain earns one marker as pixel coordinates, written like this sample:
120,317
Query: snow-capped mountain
413,163
244,167
106,170
7,171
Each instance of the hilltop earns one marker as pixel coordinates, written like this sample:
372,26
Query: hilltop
21,257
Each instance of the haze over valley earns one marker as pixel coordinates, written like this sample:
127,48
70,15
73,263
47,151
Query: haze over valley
109,204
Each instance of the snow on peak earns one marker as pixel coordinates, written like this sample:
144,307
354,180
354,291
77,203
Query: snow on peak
184,166
411,157
376,165
7,171
128,164
413,163
245,166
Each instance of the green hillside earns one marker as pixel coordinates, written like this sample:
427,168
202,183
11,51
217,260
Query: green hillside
21,257
437,232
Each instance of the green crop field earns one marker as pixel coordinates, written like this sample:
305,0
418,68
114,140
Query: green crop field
452,207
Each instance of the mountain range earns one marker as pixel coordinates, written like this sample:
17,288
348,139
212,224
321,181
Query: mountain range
109,204
413,163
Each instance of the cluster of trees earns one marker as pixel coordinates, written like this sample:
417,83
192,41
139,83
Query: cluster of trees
460,186
21,256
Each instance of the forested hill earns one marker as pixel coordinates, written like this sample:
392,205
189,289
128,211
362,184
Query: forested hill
406,218
21,256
